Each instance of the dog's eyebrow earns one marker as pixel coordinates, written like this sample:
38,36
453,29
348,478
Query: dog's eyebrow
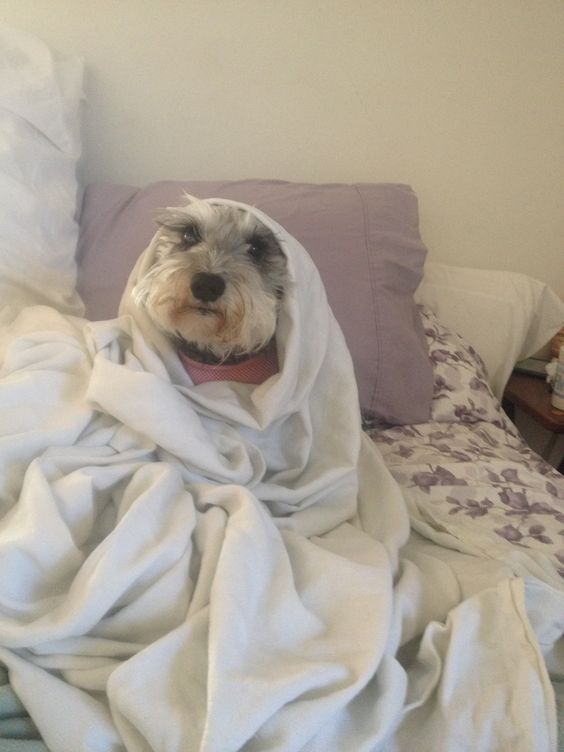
177,221
261,234
258,237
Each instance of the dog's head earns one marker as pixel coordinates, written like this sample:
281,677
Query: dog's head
217,280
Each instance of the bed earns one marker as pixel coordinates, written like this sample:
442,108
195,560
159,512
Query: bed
434,618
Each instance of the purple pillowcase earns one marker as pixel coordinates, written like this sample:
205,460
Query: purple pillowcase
364,239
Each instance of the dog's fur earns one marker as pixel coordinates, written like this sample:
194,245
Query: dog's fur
217,282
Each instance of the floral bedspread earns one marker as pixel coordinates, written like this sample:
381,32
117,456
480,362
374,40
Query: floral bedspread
470,480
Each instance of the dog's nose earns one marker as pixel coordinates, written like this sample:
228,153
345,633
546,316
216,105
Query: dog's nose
207,287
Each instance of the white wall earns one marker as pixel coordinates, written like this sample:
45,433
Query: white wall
463,100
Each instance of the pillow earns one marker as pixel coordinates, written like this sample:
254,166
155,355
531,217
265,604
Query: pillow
461,391
364,240
505,316
39,148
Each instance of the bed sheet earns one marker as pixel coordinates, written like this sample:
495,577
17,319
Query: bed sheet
470,481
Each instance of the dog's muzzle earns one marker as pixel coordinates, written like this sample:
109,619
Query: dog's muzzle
207,287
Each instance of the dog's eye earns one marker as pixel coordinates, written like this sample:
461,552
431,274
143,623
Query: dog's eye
190,236
257,248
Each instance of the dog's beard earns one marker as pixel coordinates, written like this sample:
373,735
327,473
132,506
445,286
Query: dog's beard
241,322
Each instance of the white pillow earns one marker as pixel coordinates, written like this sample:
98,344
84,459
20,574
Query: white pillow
505,316
39,149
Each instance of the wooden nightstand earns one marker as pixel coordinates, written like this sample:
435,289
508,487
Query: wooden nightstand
532,395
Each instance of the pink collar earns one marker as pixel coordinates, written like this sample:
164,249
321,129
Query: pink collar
255,370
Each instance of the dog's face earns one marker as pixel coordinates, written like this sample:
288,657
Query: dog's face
217,281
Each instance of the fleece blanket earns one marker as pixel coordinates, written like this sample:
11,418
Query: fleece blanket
229,567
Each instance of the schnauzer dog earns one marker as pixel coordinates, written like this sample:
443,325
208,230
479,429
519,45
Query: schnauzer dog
216,286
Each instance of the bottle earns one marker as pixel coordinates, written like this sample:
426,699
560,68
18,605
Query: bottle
558,386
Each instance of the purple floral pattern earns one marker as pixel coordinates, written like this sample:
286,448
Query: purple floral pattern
468,473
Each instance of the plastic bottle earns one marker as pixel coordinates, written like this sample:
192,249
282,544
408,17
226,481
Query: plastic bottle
558,386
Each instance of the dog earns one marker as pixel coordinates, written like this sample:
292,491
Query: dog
215,289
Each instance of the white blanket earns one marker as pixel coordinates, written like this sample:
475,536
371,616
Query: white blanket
218,567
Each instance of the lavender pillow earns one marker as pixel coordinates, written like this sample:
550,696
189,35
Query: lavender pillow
364,239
